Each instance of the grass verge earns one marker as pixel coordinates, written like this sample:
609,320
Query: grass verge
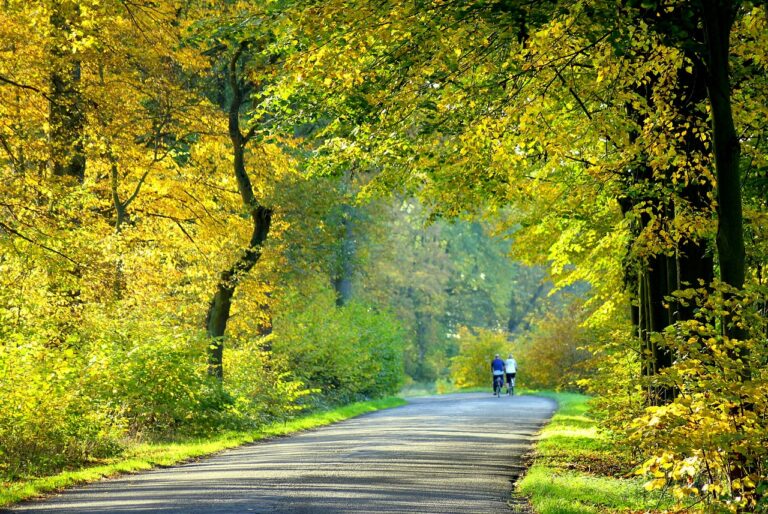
149,455
575,470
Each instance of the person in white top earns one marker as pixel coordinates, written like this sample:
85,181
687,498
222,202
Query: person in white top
510,369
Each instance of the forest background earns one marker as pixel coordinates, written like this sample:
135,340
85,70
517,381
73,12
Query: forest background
216,214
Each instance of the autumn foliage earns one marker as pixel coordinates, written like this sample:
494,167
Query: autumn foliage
213,214
554,354
472,366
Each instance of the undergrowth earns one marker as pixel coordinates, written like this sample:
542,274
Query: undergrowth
576,471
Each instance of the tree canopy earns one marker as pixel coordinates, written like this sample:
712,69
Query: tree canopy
218,213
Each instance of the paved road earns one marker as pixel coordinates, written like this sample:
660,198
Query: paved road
448,454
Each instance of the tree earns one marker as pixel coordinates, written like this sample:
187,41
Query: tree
572,92
66,111
591,121
718,18
261,217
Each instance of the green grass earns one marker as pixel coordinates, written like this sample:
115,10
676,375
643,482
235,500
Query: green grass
575,470
149,455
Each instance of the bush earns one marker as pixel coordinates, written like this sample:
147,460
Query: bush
64,405
157,381
70,399
262,389
472,366
710,444
551,356
47,417
344,353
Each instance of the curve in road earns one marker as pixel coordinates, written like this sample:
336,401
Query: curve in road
457,453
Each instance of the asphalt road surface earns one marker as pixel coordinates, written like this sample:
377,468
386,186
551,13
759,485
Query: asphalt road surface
456,453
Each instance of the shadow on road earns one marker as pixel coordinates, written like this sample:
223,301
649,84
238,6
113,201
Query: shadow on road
446,454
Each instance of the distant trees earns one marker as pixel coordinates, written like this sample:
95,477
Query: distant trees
442,276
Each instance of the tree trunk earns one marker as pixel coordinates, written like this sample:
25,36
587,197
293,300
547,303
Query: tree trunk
718,17
514,319
421,343
518,318
690,262
650,281
342,282
66,117
218,310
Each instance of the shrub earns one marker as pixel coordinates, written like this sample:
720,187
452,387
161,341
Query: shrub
156,380
552,355
472,366
345,353
65,403
710,444
47,416
260,384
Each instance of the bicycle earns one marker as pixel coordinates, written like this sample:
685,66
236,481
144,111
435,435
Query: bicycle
511,387
498,383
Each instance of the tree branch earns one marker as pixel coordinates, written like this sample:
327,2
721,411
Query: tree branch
137,189
8,81
574,94
15,232
9,151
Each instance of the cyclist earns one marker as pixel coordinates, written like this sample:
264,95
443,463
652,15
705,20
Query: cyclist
497,369
510,368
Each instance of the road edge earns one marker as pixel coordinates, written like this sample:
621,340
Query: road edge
147,457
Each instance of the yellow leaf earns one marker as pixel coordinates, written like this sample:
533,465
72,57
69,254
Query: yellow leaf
656,483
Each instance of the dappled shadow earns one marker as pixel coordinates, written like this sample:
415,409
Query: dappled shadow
454,454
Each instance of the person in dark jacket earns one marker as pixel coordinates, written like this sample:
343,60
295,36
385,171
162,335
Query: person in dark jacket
497,370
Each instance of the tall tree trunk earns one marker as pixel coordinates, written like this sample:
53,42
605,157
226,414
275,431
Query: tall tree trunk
718,18
421,343
66,116
514,320
531,305
655,278
342,281
218,310
650,280
694,258
261,217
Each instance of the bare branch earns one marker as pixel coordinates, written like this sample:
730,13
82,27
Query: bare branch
574,94
9,151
